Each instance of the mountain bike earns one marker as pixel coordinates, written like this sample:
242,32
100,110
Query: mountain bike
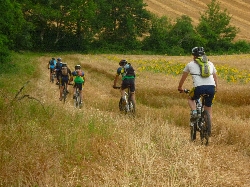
126,105
202,123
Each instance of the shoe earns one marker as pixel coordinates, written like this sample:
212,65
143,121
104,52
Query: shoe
74,96
67,91
57,83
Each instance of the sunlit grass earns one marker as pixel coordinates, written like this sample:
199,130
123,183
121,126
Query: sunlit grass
47,143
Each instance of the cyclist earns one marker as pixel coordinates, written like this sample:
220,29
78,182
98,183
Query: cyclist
128,78
58,69
51,67
65,73
202,85
79,80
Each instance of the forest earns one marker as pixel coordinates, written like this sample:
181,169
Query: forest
104,26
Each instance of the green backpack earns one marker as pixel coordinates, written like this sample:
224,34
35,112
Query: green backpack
204,66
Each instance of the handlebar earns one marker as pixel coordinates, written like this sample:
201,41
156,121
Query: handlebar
185,91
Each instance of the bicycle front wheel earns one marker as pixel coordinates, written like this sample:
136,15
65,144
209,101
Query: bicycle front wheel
132,107
193,129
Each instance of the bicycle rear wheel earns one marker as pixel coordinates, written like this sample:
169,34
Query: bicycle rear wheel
64,95
206,127
77,100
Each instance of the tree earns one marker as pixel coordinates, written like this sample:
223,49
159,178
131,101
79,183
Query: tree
215,27
183,35
158,35
13,35
121,22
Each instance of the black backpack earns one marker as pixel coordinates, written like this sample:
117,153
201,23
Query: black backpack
129,70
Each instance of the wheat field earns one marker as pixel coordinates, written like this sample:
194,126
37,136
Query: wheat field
238,9
98,146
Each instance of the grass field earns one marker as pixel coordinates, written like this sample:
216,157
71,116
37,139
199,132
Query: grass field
47,143
238,9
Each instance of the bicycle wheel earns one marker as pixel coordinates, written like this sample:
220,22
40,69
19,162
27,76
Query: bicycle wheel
193,129
77,100
52,78
60,82
206,127
121,105
64,94
131,105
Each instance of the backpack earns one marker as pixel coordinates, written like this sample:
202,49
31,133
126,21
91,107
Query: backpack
204,66
64,70
58,65
51,62
129,70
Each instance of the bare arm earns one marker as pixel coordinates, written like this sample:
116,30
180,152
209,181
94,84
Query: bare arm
115,80
183,78
215,80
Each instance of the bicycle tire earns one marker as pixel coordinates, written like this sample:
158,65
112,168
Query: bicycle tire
78,100
60,82
193,130
52,78
131,106
64,94
206,127
121,105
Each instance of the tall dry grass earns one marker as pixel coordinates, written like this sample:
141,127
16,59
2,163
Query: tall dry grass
49,143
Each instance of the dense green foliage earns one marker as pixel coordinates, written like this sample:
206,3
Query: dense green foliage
110,26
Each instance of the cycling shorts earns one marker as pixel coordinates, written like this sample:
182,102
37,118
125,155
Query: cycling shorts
128,83
78,85
206,89
65,80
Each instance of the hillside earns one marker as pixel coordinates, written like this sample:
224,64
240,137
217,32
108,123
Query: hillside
238,9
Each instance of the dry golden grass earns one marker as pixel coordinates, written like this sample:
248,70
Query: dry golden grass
238,9
154,148
97,146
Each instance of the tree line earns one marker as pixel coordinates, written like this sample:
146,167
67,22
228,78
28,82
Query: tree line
111,26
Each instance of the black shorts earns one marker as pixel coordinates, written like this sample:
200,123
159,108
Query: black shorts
206,89
65,80
78,85
128,83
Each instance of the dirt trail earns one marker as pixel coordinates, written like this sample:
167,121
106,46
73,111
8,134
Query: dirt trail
225,164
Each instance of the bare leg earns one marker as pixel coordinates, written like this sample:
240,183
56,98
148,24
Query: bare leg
192,104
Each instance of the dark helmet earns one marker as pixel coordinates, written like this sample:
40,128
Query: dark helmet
59,59
53,58
198,51
123,62
77,67
64,64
